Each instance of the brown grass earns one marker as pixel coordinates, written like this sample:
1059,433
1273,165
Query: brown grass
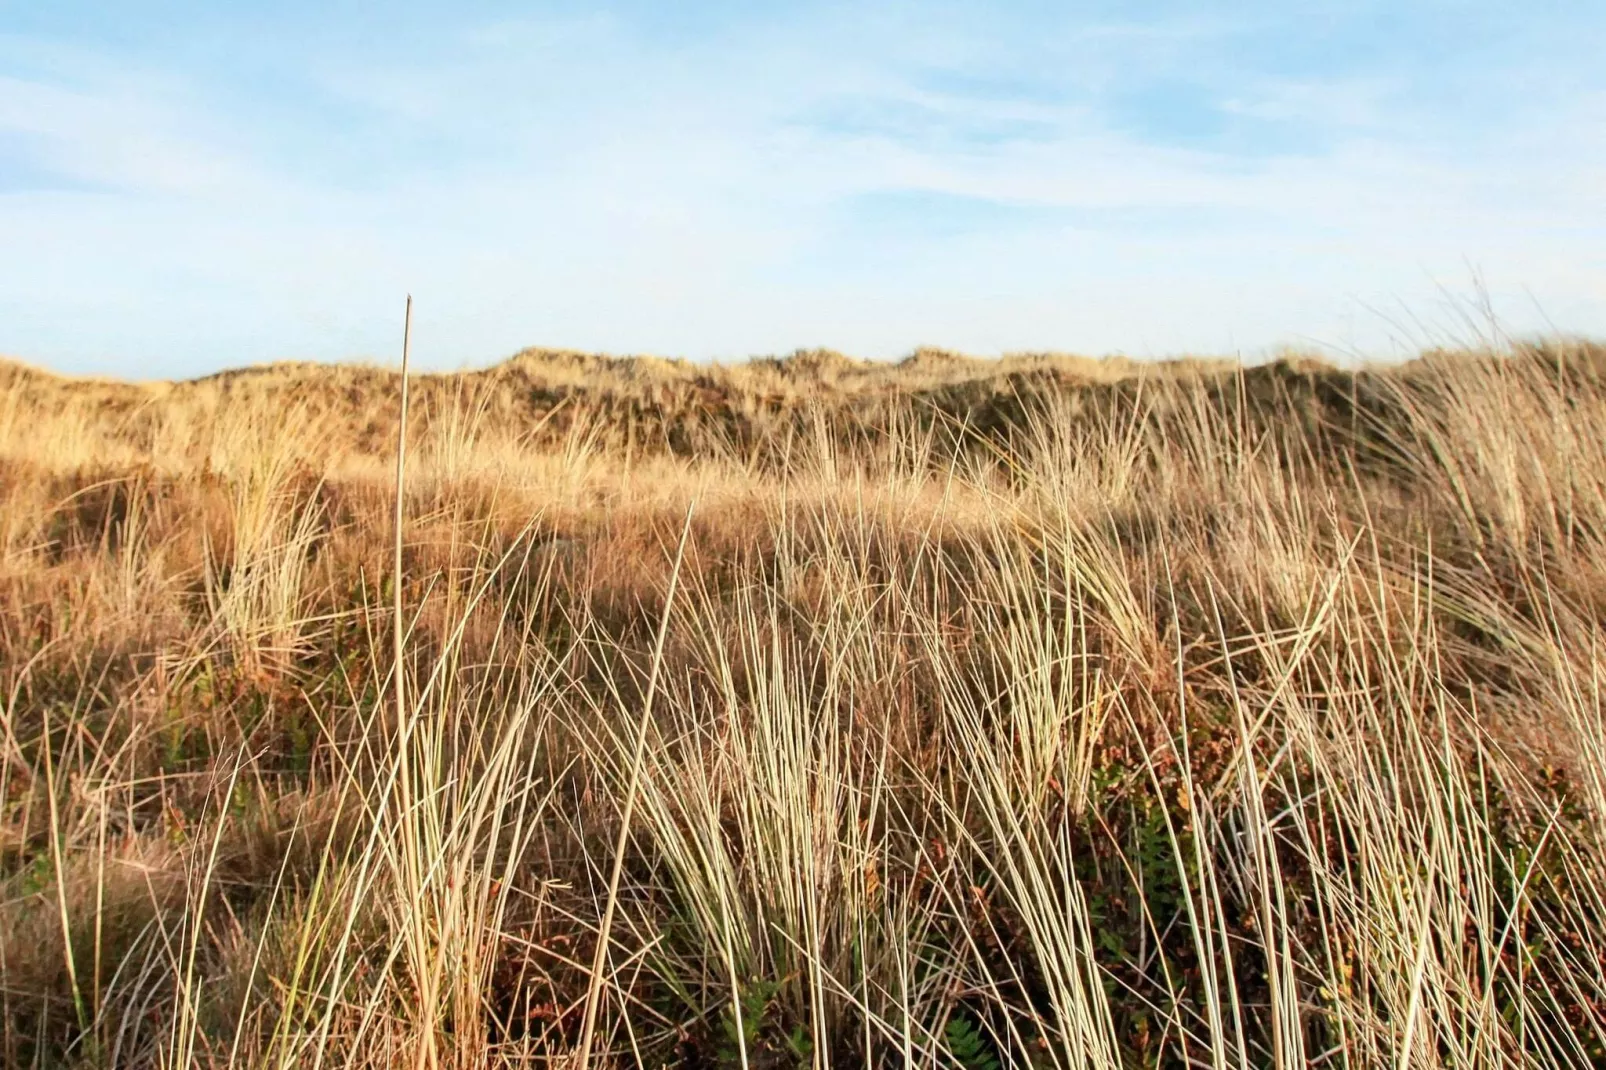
1033,712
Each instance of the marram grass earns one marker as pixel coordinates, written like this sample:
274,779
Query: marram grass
1045,713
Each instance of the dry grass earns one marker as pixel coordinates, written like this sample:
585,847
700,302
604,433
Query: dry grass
1040,712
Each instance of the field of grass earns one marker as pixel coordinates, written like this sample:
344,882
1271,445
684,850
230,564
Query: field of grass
955,713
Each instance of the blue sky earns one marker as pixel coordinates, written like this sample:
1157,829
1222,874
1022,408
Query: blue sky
187,186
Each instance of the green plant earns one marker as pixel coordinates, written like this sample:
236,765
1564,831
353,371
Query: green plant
969,1045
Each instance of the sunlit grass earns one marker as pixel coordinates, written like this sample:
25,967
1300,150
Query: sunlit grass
1047,714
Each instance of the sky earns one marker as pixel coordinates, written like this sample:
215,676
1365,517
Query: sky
188,186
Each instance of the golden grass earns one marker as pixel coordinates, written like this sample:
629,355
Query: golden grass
1038,712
